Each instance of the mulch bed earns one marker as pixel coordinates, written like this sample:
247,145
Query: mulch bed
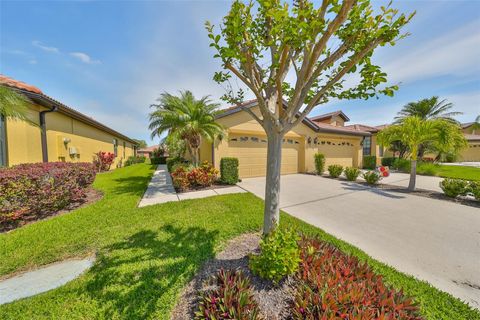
272,300
216,185
92,195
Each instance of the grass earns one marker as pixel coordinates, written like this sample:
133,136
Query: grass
458,172
146,255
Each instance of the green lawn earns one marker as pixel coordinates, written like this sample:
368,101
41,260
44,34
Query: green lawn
468,173
146,255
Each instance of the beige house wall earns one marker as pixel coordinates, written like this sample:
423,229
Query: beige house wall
338,149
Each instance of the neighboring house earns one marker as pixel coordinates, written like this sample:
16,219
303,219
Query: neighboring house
247,141
472,134
147,152
64,134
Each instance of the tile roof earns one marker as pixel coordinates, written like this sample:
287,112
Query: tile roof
362,127
7,81
472,137
467,124
316,126
148,149
329,115
36,95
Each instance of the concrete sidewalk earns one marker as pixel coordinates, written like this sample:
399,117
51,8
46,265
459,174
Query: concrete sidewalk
161,190
423,182
432,240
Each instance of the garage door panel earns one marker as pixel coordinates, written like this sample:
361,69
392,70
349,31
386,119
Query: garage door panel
338,154
252,155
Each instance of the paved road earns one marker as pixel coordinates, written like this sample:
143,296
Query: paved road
433,240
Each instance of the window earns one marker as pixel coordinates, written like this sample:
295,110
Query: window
124,149
367,146
115,147
3,143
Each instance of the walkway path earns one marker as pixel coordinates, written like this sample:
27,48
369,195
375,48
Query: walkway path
43,279
160,190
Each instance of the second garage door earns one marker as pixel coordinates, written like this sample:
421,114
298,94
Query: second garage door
251,152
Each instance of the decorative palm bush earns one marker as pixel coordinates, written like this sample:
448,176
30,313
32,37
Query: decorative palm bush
335,170
372,177
351,173
454,187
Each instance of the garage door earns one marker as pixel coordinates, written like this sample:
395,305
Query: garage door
337,153
251,152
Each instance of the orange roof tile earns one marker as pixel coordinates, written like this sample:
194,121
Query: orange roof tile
7,81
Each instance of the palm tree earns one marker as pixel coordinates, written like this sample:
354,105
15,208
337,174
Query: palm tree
414,132
186,118
14,105
428,109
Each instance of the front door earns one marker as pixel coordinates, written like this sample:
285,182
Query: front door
3,143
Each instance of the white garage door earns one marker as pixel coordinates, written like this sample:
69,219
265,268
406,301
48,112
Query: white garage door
251,152
337,153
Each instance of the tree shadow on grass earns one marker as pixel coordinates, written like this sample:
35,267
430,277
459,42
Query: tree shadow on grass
135,185
139,277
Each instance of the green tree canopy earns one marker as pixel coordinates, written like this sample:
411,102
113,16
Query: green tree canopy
300,53
186,118
141,143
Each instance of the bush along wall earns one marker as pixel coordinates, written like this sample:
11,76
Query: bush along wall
29,191
229,170
319,163
369,162
158,160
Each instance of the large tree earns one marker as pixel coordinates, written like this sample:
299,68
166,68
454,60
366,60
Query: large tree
414,132
186,118
300,54
14,105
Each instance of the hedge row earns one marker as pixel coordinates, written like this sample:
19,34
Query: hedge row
37,189
457,187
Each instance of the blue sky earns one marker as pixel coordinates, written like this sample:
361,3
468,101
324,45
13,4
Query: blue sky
110,60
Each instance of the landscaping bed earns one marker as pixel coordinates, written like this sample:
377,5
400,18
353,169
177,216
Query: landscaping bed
327,284
30,192
146,256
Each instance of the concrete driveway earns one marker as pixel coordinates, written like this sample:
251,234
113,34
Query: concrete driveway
433,240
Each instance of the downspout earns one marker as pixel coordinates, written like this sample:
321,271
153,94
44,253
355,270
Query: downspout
43,128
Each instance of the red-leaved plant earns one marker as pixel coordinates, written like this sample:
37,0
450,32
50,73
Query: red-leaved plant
333,285
184,178
231,298
103,160
31,190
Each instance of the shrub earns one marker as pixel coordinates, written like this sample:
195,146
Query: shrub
229,170
158,160
172,161
134,159
451,157
351,173
401,165
335,170
32,190
319,163
332,285
279,255
369,162
388,161
454,187
231,298
103,161
372,177
474,189
159,152
427,168
180,178
203,176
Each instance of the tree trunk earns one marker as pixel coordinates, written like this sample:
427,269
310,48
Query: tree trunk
271,213
413,175
195,156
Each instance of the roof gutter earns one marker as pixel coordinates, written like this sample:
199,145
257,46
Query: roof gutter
43,128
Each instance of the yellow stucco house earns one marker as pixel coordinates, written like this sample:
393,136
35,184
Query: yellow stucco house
472,152
327,134
63,134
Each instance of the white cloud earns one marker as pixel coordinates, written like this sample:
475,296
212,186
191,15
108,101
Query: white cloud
40,45
85,58
453,54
